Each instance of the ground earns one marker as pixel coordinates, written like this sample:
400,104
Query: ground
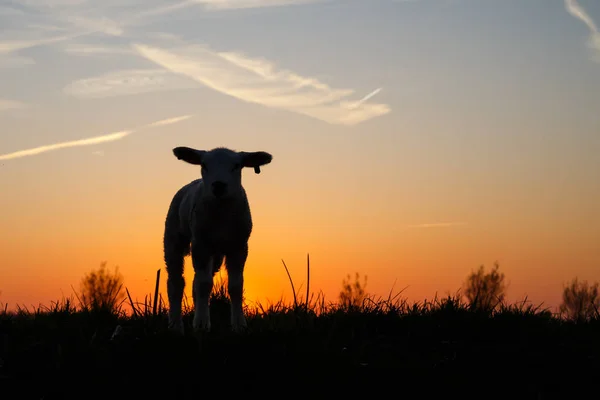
439,350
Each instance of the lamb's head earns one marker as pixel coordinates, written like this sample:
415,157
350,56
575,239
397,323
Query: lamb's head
221,168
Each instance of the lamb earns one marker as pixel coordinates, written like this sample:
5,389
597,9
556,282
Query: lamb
210,219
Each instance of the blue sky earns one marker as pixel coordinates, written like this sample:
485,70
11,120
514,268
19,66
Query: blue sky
443,114
411,53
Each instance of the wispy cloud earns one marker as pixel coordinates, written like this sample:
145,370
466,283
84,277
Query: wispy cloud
367,97
76,18
96,50
437,225
260,81
168,121
6,104
111,137
222,5
232,73
100,24
128,82
10,46
239,4
49,4
161,10
46,27
43,23
578,12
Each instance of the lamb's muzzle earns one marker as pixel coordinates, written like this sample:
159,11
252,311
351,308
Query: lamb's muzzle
210,218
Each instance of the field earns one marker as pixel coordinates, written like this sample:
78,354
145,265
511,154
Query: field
382,347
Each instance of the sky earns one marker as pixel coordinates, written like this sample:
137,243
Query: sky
412,141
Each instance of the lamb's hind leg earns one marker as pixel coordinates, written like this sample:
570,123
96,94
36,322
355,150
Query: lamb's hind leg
203,284
235,261
175,251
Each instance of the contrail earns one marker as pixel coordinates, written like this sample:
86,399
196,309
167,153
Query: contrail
168,121
578,12
575,10
273,87
367,97
110,137
167,9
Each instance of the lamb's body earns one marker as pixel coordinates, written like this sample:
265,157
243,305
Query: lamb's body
219,225
210,228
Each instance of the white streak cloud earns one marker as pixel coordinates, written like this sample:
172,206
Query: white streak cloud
92,50
75,143
101,24
259,81
52,3
111,137
14,45
127,82
578,12
240,4
166,9
77,18
223,5
46,28
367,97
55,21
169,121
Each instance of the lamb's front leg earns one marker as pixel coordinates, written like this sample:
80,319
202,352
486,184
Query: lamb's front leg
202,287
235,262
174,253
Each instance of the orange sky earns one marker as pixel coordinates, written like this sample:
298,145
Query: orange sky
412,141
60,230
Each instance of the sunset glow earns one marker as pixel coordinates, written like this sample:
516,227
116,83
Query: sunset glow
412,141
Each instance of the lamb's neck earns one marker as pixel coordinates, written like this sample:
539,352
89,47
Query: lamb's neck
232,205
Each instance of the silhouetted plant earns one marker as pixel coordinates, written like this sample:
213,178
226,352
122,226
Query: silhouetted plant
580,300
352,294
102,290
485,291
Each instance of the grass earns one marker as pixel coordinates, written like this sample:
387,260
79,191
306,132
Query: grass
382,346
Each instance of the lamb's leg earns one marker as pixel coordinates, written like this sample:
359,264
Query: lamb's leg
203,284
235,262
174,249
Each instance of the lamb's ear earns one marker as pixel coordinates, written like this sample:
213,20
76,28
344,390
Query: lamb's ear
189,155
255,159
